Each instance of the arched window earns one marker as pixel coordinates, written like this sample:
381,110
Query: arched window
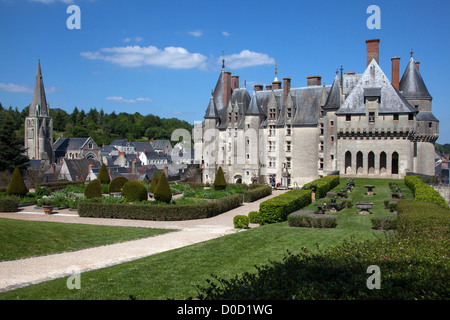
394,166
371,164
383,162
359,162
348,161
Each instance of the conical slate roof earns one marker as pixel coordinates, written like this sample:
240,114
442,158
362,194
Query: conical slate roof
253,108
211,111
411,84
38,105
334,97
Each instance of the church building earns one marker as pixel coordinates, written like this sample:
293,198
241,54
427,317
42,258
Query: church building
361,125
39,124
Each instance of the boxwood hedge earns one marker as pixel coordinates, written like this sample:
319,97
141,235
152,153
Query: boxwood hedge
323,185
423,192
278,208
168,212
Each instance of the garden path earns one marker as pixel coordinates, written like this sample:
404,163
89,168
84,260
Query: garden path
23,272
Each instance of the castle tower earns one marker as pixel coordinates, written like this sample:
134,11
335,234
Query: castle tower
39,124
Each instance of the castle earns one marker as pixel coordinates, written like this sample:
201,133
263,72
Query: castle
362,125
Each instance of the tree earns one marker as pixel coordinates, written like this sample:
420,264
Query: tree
93,189
11,146
103,175
162,191
219,181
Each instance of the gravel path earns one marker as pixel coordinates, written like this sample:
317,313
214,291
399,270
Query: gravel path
23,272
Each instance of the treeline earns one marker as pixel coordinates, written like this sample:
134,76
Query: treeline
101,126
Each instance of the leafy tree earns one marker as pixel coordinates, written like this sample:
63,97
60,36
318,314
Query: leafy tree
11,146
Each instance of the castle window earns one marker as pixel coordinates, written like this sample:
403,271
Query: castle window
348,118
430,124
288,146
271,113
289,112
410,116
371,116
395,117
331,122
288,130
235,116
288,162
229,116
272,130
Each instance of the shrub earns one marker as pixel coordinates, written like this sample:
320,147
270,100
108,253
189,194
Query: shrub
154,181
17,186
308,219
58,185
257,193
162,192
116,184
241,222
379,223
219,180
278,208
254,217
134,191
159,212
42,191
423,192
323,185
93,189
103,175
9,204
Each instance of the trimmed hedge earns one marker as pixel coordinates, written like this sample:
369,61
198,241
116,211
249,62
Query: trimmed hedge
241,222
159,212
9,204
59,185
278,208
323,185
423,192
254,217
309,219
379,223
257,193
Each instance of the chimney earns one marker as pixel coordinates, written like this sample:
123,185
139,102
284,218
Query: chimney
372,50
53,168
258,87
226,87
286,87
166,171
234,82
396,72
276,84
121,153
417,65
313,81
268,87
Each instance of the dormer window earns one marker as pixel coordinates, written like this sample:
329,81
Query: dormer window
371,116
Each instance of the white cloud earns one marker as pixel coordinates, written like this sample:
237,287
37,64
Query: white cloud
225,34
121,99
137,56
196,33
52,1
135,39
22,88
246,58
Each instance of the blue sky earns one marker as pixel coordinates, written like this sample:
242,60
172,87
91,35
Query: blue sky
164,57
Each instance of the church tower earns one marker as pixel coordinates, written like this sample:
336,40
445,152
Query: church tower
39,124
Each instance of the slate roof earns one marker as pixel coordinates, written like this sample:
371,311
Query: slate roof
334,97
253,107
77,166
412,84
211,111
63,144
374,82
426,116
160,144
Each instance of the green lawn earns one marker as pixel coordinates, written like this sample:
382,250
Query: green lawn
22,239
176,273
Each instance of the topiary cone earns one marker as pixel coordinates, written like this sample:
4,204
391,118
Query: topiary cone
219,181
162,191
103,175
17,185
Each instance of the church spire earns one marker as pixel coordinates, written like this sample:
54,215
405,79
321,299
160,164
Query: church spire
39,105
